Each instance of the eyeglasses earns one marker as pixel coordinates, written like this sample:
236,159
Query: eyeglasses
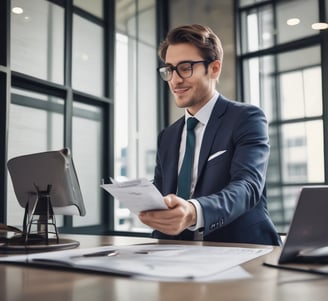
184,69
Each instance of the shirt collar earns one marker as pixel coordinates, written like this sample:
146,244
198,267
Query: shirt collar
203,115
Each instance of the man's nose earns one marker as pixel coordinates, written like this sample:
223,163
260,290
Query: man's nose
176,77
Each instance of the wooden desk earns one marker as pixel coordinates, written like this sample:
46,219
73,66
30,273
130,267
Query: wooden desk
32,284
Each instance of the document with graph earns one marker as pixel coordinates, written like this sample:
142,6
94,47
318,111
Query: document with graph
137,195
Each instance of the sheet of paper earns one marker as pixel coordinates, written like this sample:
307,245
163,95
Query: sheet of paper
159,262
137,195
235,273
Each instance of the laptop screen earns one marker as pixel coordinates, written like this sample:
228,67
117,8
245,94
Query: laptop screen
307,237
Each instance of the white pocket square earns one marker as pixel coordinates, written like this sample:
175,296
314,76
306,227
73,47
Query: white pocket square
219,153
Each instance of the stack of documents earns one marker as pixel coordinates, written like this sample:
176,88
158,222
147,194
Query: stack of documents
137,195
159,262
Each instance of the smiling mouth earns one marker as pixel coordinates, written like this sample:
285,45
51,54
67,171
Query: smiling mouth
180,90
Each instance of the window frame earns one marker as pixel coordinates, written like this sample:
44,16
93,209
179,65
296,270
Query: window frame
19,80
321,40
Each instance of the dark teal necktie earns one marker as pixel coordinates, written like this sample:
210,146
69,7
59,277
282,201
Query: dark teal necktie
185,175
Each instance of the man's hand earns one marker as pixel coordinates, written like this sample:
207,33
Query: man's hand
180,215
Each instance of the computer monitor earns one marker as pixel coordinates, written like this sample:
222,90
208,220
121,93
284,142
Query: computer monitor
45,184
35,172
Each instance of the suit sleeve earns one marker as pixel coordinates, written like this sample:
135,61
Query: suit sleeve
249,145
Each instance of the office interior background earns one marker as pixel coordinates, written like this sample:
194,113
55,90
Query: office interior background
82,74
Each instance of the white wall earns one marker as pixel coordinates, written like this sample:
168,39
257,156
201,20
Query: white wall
217,14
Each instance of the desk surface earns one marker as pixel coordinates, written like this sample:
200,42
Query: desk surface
33,284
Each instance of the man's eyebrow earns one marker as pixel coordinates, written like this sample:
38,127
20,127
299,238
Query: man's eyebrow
184,61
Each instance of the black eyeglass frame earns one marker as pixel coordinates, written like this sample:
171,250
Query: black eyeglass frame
172,68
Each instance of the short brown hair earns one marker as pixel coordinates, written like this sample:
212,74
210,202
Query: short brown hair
202,37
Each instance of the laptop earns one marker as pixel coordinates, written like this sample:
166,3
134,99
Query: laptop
307,238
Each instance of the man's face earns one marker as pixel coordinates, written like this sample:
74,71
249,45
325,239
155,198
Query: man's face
193,92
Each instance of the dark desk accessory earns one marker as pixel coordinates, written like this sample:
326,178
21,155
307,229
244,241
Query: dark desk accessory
306,245
307,237
45,184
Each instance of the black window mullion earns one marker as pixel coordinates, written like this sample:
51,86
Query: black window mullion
5,82
162,25
4,108
107,202
324,76
26,82
322,11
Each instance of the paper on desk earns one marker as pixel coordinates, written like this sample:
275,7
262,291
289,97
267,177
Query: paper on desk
137,195
158,262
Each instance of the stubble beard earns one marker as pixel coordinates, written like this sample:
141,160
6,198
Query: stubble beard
185,103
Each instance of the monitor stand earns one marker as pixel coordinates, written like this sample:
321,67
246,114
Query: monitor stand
38,220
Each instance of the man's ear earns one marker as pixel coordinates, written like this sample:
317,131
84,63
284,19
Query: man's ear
215,68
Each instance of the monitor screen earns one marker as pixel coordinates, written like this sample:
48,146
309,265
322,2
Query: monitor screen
35,172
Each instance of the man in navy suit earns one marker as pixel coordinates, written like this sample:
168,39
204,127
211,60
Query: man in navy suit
227,200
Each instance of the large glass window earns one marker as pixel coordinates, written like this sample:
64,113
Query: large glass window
80,81
135,98
87,146
282,74
88,57
42,121
94,7
257,29
37,39
295,19
259,81
306,99
302,152
36,125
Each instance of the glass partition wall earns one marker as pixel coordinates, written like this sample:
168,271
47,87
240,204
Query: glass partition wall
58,95
81,74
281,62
135,99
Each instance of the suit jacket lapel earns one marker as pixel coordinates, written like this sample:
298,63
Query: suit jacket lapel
172,157
212,127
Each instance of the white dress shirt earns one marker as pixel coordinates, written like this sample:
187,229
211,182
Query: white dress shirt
203,115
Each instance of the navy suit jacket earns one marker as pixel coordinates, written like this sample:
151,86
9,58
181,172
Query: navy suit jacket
230,187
